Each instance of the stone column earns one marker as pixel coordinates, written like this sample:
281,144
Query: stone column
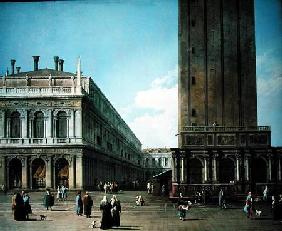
269,168
237,168
30,174
173,168
78,124
72,124
2,124
205,170
3,175
49,125
49,172
8,131
24,172
79,172
24,122
71,173
247,177
183,164
214,167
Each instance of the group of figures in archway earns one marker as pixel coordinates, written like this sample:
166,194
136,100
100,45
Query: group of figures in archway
37,173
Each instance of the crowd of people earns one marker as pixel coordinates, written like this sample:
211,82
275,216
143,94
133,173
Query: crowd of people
111,209
62,193
108,187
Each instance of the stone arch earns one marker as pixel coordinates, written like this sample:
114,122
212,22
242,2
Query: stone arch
259,170
195,171
62,172
15,173
226,169
38,169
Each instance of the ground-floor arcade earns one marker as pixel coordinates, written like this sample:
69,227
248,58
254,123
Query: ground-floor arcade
235,170
75,168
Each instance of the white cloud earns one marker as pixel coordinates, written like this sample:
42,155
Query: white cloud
158,125
270,86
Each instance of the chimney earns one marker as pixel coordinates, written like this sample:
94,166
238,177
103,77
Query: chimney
56,61
13,61
61,63
18,69
36,60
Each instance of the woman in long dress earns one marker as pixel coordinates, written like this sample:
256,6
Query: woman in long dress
106,220
116,210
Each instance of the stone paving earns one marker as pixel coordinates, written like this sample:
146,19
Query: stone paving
157,214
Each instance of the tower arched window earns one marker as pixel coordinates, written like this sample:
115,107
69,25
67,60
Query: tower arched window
15,128
61,125
38,125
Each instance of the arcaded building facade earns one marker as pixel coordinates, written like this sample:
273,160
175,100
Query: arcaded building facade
220,143
57,128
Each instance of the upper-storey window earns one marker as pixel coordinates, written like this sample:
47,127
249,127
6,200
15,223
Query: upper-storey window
165,161
160,161
38,125
15,128
61,126
147,162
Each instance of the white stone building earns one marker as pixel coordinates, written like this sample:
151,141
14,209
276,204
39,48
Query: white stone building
58,128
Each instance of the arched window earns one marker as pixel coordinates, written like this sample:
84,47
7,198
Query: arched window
61,126
15,128
38,125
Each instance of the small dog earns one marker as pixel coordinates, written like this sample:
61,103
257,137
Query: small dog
93,225
43,217
258,213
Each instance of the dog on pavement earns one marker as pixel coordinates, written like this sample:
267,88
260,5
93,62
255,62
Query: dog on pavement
93,224
258,213
43,217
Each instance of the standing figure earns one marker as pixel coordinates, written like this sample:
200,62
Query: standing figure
116,210
58,193
105,208
248,206
265,193
220,198
87,204
18,207
78,204
27,207
48,201
163,190
149,187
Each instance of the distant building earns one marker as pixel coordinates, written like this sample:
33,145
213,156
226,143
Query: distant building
58,128
156,161
157,169
220,143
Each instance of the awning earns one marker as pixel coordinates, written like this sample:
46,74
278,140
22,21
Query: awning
164,174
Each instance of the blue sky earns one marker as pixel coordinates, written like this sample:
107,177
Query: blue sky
130,50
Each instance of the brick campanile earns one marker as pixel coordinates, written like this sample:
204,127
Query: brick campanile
217,63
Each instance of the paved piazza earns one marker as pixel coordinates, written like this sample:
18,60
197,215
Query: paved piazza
157,214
